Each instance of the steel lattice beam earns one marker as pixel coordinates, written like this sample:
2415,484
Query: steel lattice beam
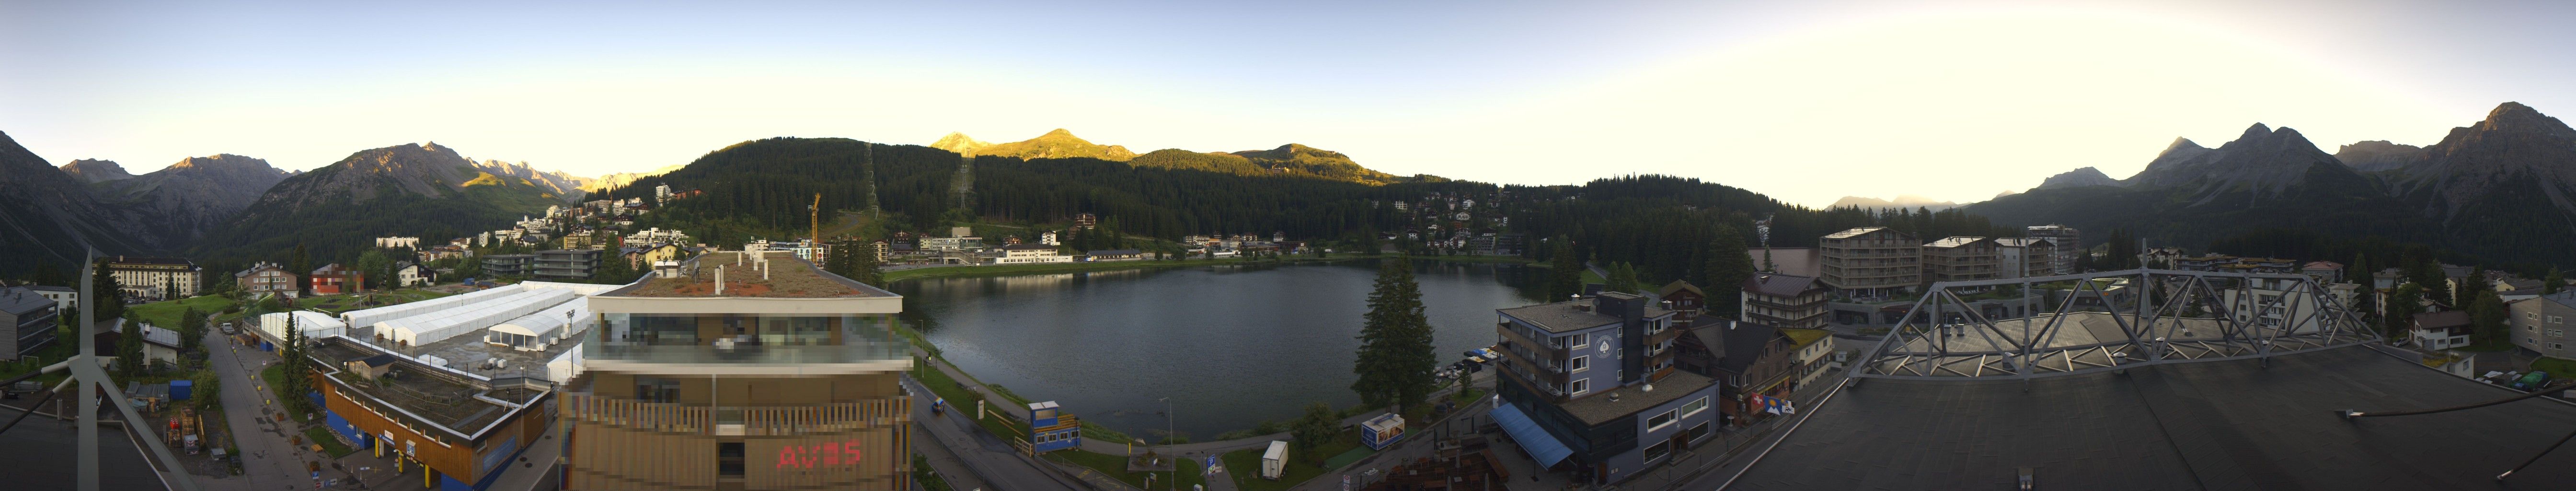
2239,315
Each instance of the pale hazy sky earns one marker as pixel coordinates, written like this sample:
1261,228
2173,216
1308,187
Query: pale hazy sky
1805,101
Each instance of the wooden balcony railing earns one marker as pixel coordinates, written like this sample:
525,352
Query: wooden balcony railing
754,420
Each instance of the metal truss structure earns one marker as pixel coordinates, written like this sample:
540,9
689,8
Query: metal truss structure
2082,323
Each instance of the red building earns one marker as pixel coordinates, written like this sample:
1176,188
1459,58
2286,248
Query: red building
333,280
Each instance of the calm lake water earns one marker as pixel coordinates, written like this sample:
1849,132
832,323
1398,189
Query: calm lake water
1230,345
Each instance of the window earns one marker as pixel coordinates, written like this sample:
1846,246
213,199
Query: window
2557,333
1658,450
729,459
2556,319
1659,421
1694,407
1578,340
1581,386
1696,432
2557,346
650,389
2531,315
1579,364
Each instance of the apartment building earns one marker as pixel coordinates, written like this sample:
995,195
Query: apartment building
27,322
1030,253
2023,257
496,265
154,277
2068,240
1573,386
699,377
267,277
2540,324
567,263
1870,261
1960,259
1785,300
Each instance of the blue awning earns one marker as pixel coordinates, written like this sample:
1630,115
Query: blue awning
1532,438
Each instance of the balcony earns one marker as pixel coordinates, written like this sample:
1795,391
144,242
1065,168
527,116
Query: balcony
1539,373
735,420
857,352
1513,336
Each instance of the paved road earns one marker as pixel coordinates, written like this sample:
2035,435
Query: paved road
268,462
989,458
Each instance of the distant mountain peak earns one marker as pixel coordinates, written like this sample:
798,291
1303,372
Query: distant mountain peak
2515,117
2258,130
2378,155
96,170
2087,176
1056,144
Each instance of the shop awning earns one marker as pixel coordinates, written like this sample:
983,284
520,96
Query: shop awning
1532,438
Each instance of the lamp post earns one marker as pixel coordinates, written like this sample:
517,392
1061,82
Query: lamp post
1169,432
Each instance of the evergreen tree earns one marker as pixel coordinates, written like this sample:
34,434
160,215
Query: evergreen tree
2465,292
298,381
1565,271
2487,315
1395,357
109,294
2553,283
1623,279
302,267
192,330
2403,303
1727,271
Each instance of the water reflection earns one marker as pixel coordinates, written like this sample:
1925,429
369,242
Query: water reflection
1232,344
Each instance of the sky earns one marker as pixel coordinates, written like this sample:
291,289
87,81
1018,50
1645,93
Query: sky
1804,101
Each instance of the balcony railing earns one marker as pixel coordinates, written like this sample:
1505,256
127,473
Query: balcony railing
748,420
1551,351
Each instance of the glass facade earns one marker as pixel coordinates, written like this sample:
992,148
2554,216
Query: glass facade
744,338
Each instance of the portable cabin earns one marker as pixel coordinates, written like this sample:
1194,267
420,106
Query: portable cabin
1275,460
1382,431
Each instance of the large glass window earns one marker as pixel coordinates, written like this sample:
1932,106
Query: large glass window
1659,421
1694,407
795,331
1658,450
651,389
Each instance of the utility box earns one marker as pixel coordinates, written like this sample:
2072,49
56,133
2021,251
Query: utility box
179,389
1382,431
1275,460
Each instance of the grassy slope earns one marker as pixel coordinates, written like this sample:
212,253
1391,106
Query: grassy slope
165,314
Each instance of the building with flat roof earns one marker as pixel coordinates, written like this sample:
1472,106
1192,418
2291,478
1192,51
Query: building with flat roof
1588,387
567,264
1960,259
27,322
702,375
514,265
2022,257
2068,240
2232,423
1870,261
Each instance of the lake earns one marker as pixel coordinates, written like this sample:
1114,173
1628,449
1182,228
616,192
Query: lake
1231,345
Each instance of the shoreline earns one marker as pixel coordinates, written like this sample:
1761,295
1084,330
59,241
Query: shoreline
1060,268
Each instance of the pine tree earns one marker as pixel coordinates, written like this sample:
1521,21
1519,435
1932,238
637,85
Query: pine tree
1623,278
192,330
1395,357
302,267
2487,315
1565,275
1727,271
297,381
2403,303
2553,283
110,295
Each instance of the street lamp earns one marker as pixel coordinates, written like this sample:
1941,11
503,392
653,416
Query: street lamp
1168,433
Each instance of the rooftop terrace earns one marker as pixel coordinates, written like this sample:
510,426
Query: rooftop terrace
749,275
